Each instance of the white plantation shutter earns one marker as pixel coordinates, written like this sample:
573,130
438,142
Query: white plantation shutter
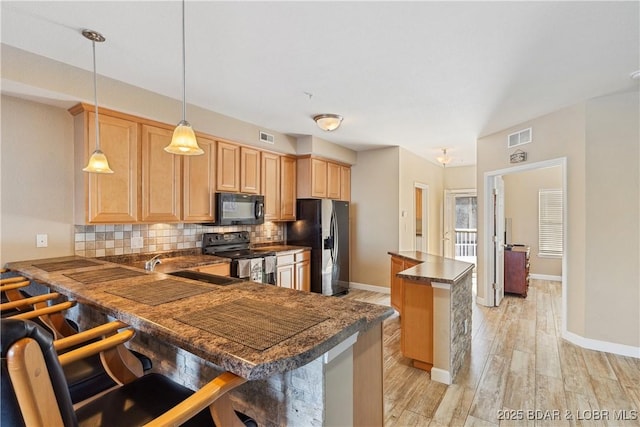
550,222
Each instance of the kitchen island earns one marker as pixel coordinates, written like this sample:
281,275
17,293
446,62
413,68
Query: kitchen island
309,359
434,300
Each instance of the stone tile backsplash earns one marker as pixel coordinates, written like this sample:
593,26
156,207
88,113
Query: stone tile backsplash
115,239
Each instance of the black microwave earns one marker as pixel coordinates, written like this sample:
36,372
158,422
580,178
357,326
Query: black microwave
239,209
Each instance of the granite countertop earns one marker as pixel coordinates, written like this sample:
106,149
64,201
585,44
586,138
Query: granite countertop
341,318
433,268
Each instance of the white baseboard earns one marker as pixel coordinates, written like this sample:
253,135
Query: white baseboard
372,288
607,347
481,301
546,277
441,376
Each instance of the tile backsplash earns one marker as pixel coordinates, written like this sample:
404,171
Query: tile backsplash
115,239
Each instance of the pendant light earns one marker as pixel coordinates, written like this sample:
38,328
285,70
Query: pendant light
444,159
98,161
184,139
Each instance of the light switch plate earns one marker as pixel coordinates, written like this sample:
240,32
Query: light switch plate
42,241
137,242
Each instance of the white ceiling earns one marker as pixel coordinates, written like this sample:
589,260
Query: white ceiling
422,75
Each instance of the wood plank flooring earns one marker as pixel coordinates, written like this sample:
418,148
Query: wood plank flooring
519,367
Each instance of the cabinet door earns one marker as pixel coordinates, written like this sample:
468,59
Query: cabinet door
345,183
416,338
228,167
271,186
396,283
249,170
221,269
285,276
112,198
303,275
287,188
333,180
198,183
318,178
161,177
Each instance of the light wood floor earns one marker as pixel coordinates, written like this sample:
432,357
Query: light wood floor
518,364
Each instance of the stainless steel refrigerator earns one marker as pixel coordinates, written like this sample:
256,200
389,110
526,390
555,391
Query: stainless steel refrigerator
323,225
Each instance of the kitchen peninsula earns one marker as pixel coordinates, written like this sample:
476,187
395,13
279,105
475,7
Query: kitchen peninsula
433,296
309,359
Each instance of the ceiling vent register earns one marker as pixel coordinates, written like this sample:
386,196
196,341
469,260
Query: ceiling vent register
519,138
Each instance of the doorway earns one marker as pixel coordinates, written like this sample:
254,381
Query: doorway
421,203
493,224
460,237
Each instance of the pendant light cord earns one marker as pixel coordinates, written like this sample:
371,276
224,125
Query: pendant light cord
95,94
184,71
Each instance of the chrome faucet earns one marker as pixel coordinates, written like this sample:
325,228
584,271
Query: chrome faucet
151,264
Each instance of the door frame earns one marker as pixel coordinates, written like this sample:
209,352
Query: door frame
448,250
425,216
488,263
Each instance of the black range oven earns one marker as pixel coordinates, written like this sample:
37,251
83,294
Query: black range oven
246,263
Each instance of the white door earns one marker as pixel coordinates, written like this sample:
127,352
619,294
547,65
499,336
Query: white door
498,239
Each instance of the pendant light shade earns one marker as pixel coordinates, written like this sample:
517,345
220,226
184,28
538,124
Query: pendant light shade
98,161
184,139
444,159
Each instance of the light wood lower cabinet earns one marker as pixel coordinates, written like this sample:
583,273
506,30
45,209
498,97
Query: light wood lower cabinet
416,335
398,264
221,269
294,271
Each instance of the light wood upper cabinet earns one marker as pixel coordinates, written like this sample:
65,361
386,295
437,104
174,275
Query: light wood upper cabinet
249,170
198,183
271,186
319,178
333,180
345,183
228,167
106,198
287,188
161,177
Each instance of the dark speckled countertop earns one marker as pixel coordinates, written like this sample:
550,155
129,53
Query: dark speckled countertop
433,268
344,317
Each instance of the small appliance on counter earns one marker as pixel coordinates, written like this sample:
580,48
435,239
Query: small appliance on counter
246,263
239,209
323,224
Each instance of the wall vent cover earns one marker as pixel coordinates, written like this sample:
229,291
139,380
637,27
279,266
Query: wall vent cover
267,138
518,138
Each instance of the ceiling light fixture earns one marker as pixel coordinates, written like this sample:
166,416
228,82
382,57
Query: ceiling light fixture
635,75
184,139
328,122
444,159
98,161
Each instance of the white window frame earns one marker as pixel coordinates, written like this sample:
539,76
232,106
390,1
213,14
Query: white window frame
550,226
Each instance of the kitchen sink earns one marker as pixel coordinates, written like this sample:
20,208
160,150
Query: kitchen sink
206,277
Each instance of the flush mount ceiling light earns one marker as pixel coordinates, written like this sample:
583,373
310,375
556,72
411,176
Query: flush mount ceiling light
635,75
184,139
328,122
98,161
444,160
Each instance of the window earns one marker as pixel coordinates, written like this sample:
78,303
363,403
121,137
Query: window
550,223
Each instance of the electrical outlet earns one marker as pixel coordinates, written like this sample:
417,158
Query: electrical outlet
466,326
41,241
137,242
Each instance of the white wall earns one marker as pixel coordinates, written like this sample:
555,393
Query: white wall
37,180
460,178
521,205
415,169
374,208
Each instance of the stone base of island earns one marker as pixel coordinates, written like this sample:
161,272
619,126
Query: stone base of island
433,296
327,373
